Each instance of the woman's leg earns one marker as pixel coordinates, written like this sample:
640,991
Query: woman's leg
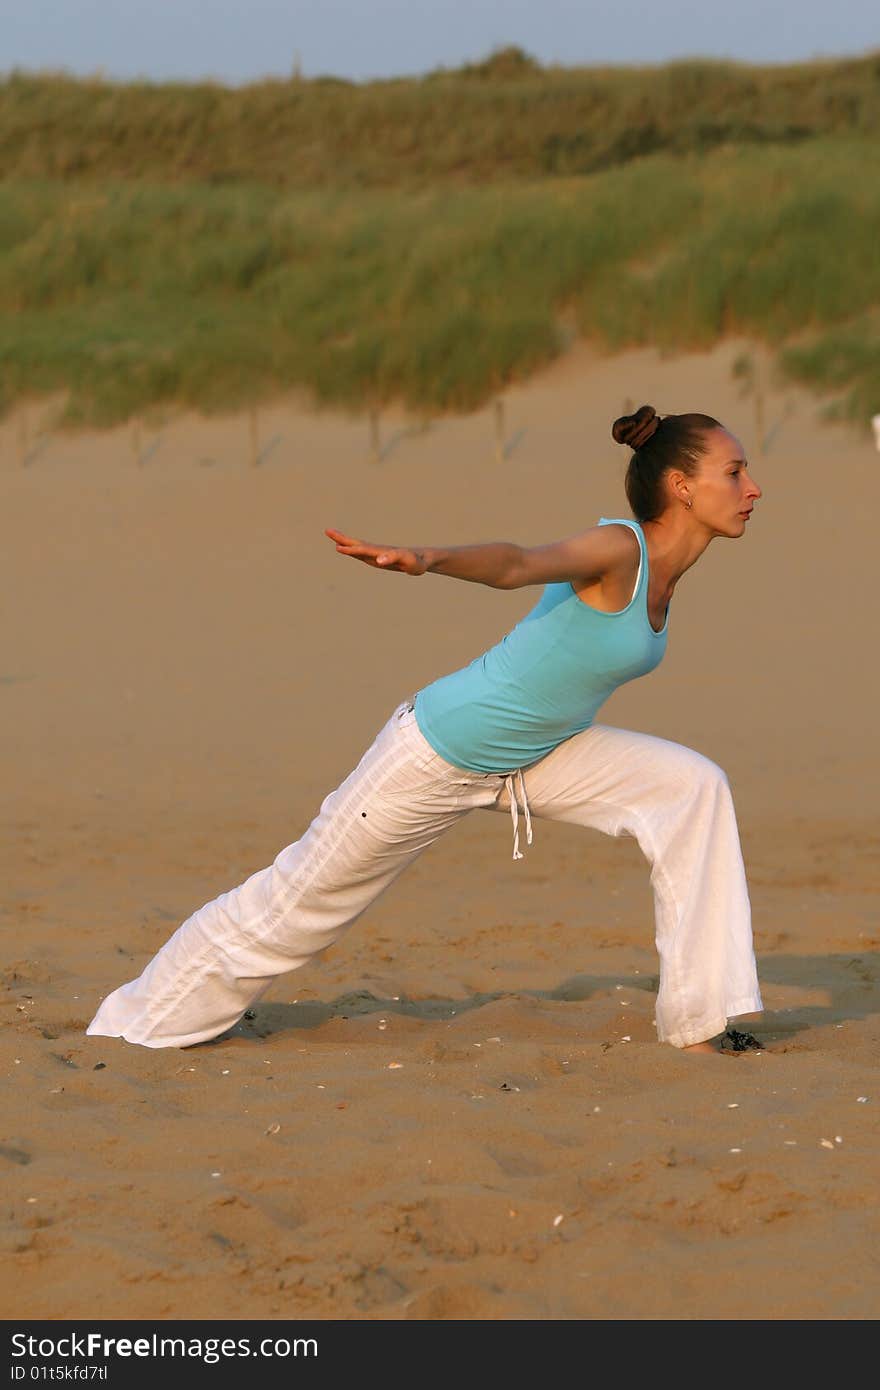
678,805
398,800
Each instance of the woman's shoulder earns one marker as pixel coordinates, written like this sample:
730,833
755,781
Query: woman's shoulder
622,535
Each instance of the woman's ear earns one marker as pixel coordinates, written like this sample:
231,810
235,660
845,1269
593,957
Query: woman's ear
678,486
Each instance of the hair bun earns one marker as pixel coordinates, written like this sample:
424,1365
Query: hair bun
636,430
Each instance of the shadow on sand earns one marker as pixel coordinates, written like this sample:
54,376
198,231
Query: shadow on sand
850,983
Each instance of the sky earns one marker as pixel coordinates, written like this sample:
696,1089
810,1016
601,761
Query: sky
237,41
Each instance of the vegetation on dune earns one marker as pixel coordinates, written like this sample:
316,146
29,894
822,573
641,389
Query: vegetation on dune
505,118
844,361
145,270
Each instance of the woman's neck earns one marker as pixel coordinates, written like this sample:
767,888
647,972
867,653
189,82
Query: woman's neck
674,545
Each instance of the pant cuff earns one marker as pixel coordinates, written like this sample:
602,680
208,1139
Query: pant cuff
711,1026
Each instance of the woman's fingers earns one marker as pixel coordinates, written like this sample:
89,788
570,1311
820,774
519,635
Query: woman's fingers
339,537
350,542
360,550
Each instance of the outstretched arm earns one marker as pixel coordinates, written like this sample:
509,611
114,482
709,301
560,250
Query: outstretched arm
502,564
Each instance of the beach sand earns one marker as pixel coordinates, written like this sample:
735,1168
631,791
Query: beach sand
461,1110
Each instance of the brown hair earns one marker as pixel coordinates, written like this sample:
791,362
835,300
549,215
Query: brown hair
675,441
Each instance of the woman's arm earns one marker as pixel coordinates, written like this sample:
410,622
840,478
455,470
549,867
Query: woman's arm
502,564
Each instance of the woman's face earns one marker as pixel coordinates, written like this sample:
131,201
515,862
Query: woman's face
723,490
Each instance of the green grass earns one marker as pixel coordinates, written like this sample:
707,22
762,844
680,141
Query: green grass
501,120
131,294
844,362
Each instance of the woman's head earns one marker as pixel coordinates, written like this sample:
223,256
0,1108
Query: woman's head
688,461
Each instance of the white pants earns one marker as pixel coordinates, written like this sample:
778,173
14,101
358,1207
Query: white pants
401,797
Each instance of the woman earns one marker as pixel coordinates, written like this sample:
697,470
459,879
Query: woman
514,730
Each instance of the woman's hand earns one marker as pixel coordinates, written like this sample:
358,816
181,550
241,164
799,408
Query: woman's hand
383,557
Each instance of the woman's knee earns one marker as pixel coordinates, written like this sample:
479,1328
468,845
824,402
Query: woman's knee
699,775
712,775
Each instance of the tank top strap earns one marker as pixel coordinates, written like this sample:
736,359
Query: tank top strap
642,576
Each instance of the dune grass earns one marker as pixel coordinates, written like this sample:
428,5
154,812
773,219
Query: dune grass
131,294
505,119
845,364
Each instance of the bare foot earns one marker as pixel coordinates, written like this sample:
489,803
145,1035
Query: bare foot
702,1047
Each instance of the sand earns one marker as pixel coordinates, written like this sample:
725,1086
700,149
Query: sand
461,1110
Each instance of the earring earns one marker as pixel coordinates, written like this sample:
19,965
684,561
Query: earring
689,503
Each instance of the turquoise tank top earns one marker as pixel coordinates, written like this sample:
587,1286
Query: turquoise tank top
544,681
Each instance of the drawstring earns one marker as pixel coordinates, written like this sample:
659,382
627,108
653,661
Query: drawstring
514,810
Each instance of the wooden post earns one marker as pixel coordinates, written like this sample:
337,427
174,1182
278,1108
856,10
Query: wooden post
499,430
254,436
375,441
